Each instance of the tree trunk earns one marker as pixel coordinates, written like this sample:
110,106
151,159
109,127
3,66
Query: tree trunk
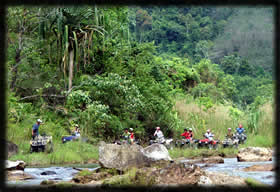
71,69
17,57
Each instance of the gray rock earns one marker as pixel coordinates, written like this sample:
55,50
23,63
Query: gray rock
122,157
18,175
11,148
157,152
254,154
48,173
15,165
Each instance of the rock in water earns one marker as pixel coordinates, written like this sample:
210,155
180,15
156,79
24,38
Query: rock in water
122,157
157,152
265,167
15,165
11,148
254,154
48,173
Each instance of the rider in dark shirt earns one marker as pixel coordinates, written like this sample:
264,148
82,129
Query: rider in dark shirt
35,128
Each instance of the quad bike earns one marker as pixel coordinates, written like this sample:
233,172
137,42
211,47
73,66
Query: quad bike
228,142
126,142
183,143
241,137
69,138
213,144
168,143
41,144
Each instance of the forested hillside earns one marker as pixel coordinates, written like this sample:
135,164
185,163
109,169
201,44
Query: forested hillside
110,68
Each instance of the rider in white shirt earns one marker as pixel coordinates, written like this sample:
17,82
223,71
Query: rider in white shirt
158,133
209,135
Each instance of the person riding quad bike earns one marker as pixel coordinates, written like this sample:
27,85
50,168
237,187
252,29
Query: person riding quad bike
125,136
76,134
230,140
131,136
240,134
208,141
40,143
160,139
186,138
35,128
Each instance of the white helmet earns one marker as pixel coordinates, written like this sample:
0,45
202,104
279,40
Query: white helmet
190,129
130,129
39,120
229,128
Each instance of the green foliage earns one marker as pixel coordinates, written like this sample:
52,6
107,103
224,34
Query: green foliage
129,65
78,99
235,114
96,115
206,102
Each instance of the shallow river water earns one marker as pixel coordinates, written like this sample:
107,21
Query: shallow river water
65,173
230,166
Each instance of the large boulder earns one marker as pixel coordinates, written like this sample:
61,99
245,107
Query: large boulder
157,152
11,148
122,157
254,154
15,165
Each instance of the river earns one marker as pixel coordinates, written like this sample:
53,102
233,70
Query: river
230,166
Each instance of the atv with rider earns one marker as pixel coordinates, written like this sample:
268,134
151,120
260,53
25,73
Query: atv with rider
240,134
208,141
158,137
231,140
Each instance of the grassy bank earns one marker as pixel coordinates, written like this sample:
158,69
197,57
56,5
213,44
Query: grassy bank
219,118
68,153
193,153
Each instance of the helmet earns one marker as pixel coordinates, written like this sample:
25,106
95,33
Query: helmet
229,128
190,129
158,128
208,130
130,129
185,129
76,125
39,120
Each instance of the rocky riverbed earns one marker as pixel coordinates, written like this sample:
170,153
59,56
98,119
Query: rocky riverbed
163,171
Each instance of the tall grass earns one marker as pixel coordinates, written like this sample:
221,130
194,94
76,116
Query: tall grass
218,120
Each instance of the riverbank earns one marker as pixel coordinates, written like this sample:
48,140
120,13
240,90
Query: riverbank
84,153
68,153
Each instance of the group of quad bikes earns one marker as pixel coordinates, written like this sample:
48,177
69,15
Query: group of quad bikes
44,143
194,143
211,144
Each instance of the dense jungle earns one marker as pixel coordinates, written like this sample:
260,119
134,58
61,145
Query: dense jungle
110,68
